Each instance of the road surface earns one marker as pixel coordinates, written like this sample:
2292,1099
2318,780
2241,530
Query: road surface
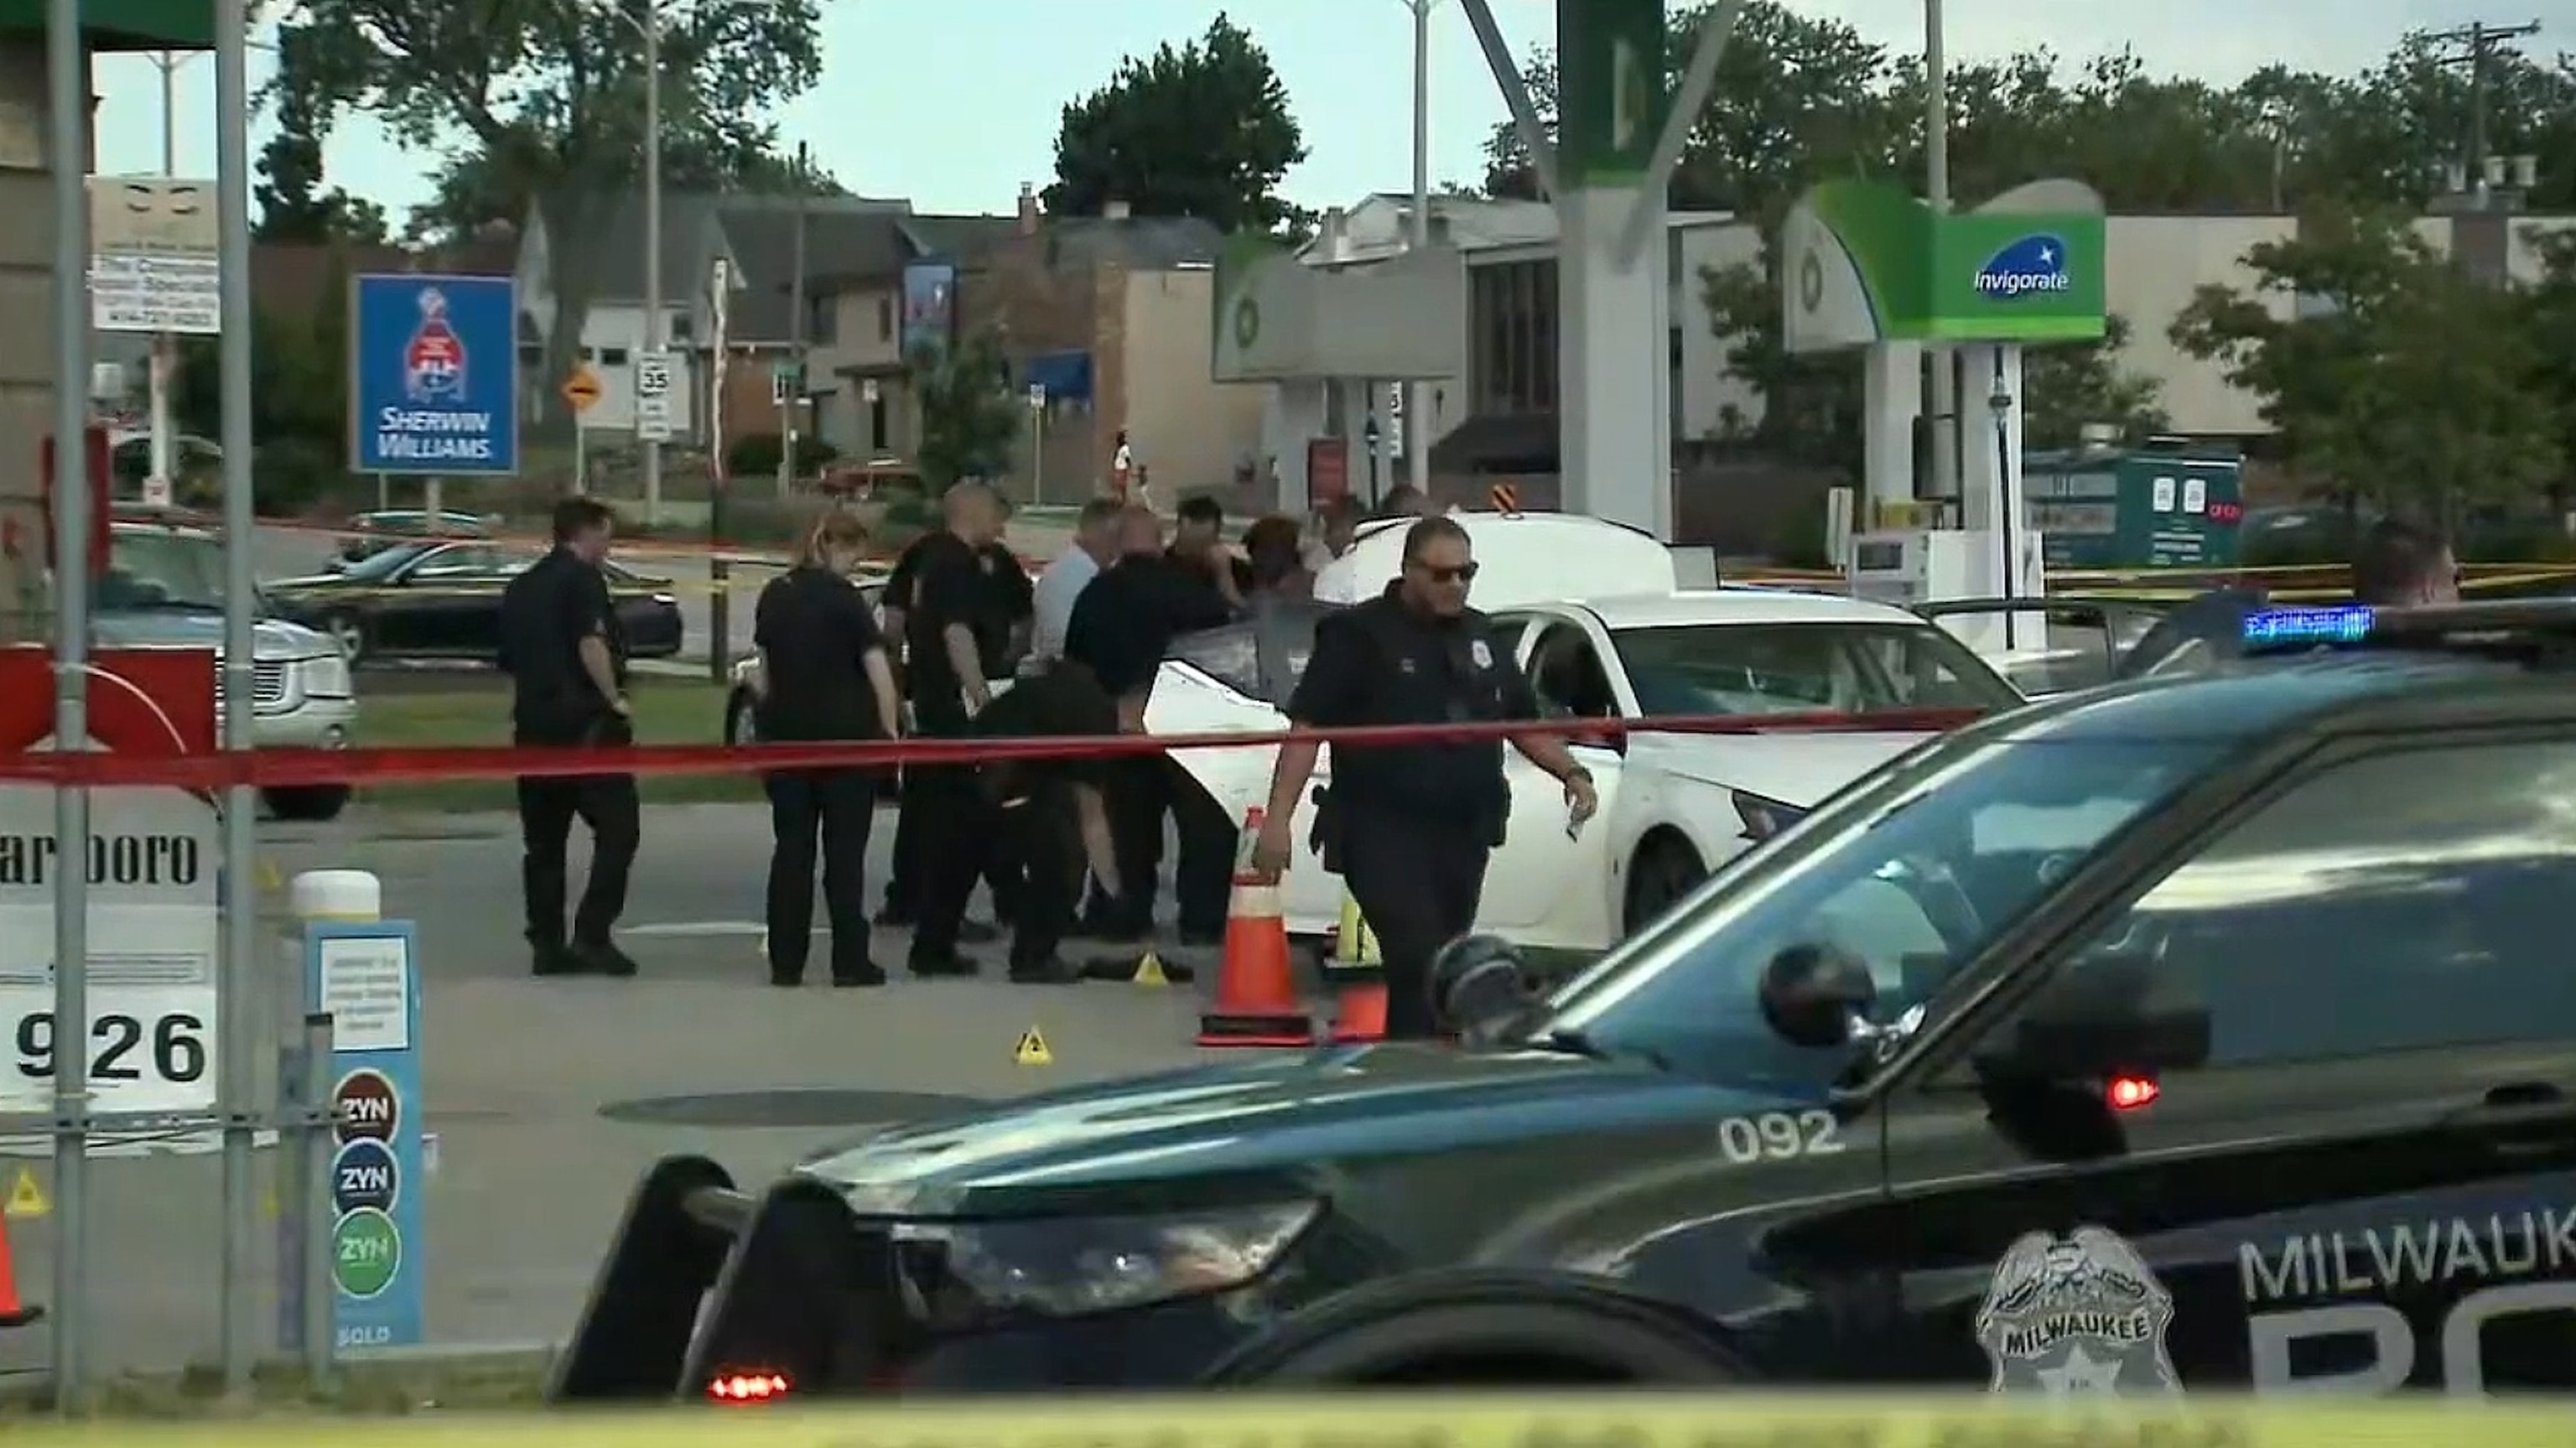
531,1174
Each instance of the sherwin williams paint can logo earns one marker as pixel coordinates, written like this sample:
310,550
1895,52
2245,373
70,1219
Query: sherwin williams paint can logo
2033,266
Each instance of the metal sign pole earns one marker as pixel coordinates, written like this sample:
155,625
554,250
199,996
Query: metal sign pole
67,84
237,994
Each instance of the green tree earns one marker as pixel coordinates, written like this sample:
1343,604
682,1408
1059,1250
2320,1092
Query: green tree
499,184
556,92
1200,129
2397,378
2069,385
293,204
970,416
299,397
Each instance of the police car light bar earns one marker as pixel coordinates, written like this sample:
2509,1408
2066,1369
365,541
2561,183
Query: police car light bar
2518,627
2308,627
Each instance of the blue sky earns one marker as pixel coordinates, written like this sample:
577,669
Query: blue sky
954,105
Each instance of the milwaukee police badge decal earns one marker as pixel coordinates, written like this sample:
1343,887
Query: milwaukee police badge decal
2076,1316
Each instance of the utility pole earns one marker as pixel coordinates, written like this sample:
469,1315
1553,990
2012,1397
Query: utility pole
165,348
792,398
2476,41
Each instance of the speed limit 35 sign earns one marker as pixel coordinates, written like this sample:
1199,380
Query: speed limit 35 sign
151,865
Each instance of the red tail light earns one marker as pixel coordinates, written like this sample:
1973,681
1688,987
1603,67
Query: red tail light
748,1388
2129,1093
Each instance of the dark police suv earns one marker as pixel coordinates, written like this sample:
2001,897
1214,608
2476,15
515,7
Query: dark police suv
2192,1033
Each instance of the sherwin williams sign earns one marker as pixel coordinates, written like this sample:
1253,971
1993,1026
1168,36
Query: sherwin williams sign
1869,263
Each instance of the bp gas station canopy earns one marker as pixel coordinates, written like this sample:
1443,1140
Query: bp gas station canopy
125,24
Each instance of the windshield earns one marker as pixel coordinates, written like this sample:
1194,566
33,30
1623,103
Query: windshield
1916,871
150,569
1804,668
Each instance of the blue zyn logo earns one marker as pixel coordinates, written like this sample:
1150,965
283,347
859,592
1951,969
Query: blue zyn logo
2032,266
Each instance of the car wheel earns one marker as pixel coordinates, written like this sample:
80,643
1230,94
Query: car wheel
348,631
1481,1330
1665,870
309,804
740,726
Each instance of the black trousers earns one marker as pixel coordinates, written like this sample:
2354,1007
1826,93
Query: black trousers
1032,844
1418,879
832,808
607,804
1143,789
918,836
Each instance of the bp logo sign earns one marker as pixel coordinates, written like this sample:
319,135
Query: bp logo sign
1247,322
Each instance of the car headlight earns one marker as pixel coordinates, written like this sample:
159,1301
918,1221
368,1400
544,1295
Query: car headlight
1056,1267
667,600
1764,818
326,675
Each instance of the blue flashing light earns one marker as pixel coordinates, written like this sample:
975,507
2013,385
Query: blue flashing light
2313,626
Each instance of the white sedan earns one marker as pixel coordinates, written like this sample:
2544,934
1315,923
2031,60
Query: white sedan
1672,805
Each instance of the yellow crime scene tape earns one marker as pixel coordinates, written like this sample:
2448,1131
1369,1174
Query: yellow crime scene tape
1629,1420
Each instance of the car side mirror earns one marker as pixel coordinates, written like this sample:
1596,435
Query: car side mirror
2111,1015
1817,995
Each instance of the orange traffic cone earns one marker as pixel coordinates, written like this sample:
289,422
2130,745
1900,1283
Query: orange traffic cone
1360,974
13,1312
1256,989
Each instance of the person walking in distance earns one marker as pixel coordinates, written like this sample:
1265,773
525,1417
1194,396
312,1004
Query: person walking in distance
566,659
1409,827
826,677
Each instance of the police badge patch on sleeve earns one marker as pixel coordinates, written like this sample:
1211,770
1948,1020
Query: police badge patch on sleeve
2076,1316
1481,653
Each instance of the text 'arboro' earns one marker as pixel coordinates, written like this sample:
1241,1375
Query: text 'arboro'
125,859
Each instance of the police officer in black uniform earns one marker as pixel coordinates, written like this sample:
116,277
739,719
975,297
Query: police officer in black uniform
1030,821
566,659
946,626
1122,624
824,676
1408,827
1004,622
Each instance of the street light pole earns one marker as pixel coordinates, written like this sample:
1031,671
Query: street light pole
656,337
165,348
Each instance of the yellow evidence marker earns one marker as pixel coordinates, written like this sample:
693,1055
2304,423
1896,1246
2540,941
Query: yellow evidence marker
27,1196
1032,1050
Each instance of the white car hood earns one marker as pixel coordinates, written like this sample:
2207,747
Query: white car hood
1786,768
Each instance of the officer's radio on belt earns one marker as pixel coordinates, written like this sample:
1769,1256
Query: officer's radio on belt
1409,827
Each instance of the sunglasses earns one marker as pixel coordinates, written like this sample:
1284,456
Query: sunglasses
1463,573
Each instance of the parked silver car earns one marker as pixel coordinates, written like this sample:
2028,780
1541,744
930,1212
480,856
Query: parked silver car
164,588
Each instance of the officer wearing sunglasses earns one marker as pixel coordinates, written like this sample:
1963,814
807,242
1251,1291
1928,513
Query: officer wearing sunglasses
1409,827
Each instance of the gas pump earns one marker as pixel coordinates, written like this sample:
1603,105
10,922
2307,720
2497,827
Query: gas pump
1877,270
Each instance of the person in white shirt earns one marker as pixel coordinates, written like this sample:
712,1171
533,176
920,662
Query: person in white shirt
1095,543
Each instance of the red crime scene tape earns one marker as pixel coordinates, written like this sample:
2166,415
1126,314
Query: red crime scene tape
288,768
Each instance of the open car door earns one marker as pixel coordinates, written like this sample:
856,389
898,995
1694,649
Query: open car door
1236,679
2053,645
